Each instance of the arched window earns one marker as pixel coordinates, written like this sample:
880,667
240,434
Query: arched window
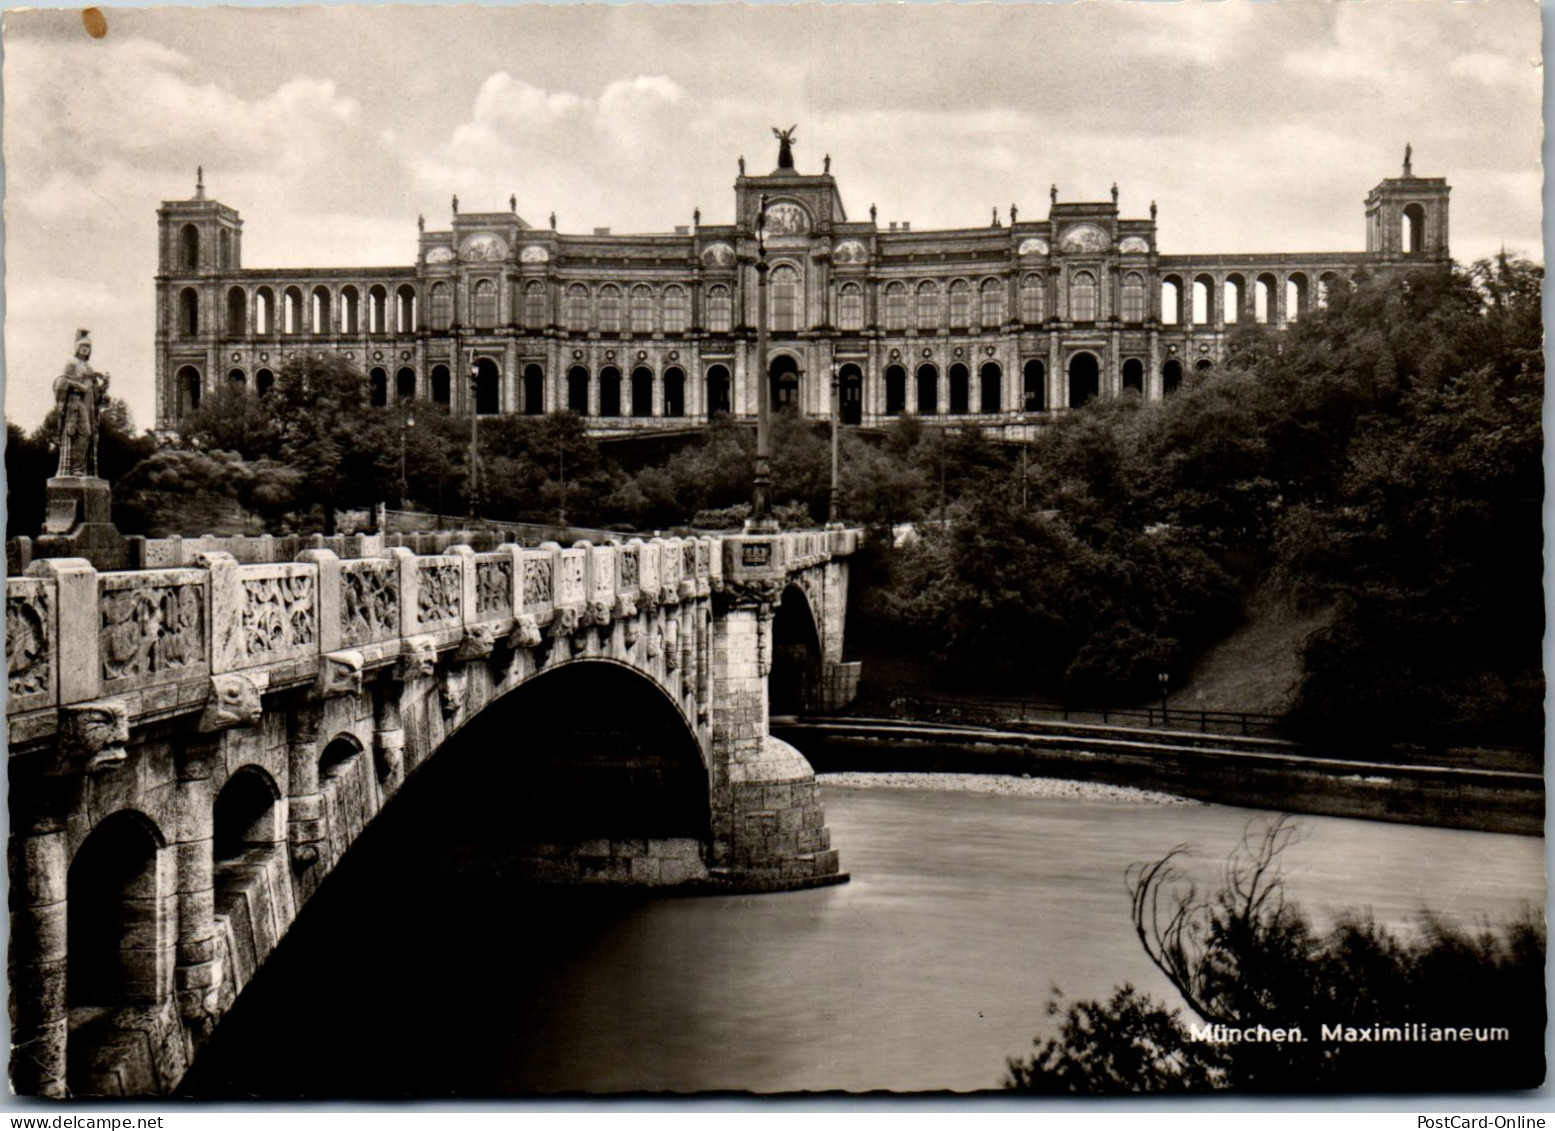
929,314
485,304
992,398
320,312
785,383
677,310
960,305
378,383
377,310
188,312
1203,300
189,248
642,391
291,311
784,286
237,311
720,310
1325,288
264,381
534,305
1171,376
850,307
895,390
674,392
350,311
1296,296
1133,297
850,393
534,390
1265,298
992,295
224,249
609,391
264,311
1171,301
405,383
575,308
1134,375
960,390
1082,297
405,309
717,389
442,306
608,311
1084,378
640,309
191,386
237,377
1034,386
578,390
1032,308
1412,237
896,307
441,385
928,390
1204,365
488,387
1234,300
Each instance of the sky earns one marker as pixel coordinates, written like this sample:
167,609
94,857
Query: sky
1254,127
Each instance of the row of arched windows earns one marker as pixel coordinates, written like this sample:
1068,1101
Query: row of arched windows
317,312
189,249
1208,300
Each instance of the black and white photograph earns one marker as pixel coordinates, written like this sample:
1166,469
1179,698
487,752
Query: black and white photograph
925,550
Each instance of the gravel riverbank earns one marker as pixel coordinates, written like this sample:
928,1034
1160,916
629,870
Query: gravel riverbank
1004,784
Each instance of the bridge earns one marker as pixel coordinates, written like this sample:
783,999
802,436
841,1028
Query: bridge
194,748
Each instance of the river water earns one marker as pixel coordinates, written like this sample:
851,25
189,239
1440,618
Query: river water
925,972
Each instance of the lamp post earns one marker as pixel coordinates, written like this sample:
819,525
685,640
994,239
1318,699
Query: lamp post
475,423
761,516
1165,681
834,510
407,422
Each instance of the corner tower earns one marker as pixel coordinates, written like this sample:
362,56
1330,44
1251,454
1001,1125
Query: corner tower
1406,217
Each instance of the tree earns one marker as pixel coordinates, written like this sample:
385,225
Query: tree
1244,956
231,419
329,432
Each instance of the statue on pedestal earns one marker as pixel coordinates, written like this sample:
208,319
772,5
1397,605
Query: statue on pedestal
78,394
786,143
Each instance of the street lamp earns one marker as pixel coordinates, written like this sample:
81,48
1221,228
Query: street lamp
1165,681
761,517
407,422
834,510
475,423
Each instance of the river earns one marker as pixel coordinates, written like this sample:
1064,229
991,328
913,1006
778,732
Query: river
925,972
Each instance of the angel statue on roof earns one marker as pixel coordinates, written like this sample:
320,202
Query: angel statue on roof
786,141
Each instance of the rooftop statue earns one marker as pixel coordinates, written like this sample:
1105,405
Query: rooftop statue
78,394
786,142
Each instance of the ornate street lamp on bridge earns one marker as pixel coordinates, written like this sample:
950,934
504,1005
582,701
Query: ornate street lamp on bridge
761,520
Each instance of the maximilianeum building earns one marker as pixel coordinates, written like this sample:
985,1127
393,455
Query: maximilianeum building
1004,325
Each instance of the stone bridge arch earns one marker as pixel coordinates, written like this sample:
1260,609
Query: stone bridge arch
229,726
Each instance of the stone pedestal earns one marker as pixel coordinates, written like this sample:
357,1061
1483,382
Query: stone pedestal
79,524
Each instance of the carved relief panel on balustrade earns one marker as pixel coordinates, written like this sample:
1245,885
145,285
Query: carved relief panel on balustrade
30,644
151,628
538,599
648,572
570,589
627,567
669,571
439,592
493,586
280,614
369,601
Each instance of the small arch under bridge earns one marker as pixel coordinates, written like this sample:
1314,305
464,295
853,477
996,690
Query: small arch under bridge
193,750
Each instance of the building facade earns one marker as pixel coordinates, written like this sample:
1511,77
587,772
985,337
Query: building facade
1004,326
